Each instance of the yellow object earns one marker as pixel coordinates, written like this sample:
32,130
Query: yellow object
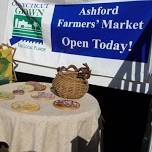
25,106
6,63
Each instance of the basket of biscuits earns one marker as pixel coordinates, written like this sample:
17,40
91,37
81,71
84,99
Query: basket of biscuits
71,82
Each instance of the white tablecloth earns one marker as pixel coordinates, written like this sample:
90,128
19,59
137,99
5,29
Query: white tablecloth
49,129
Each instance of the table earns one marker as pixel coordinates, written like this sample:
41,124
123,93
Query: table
49,129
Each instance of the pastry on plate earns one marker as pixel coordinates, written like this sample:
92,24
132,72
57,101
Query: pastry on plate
6,95
18,92
43,95
37,85
66,105
31,82
25,106
26,88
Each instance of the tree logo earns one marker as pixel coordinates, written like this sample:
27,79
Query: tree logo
24,26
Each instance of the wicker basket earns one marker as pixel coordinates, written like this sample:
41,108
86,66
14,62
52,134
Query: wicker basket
71,84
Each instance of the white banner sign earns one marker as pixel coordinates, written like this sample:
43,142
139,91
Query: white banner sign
107,36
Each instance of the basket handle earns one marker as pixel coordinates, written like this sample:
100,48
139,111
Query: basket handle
84,72
63,68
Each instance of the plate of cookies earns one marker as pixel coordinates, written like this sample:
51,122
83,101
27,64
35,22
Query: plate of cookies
26,88
43,95
67,105
6,95
25,106
36,85
18,92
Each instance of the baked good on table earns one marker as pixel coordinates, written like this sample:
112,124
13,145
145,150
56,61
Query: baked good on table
6,95
66,105
26,88
25,106
37,85
18,92
43,95
31,82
